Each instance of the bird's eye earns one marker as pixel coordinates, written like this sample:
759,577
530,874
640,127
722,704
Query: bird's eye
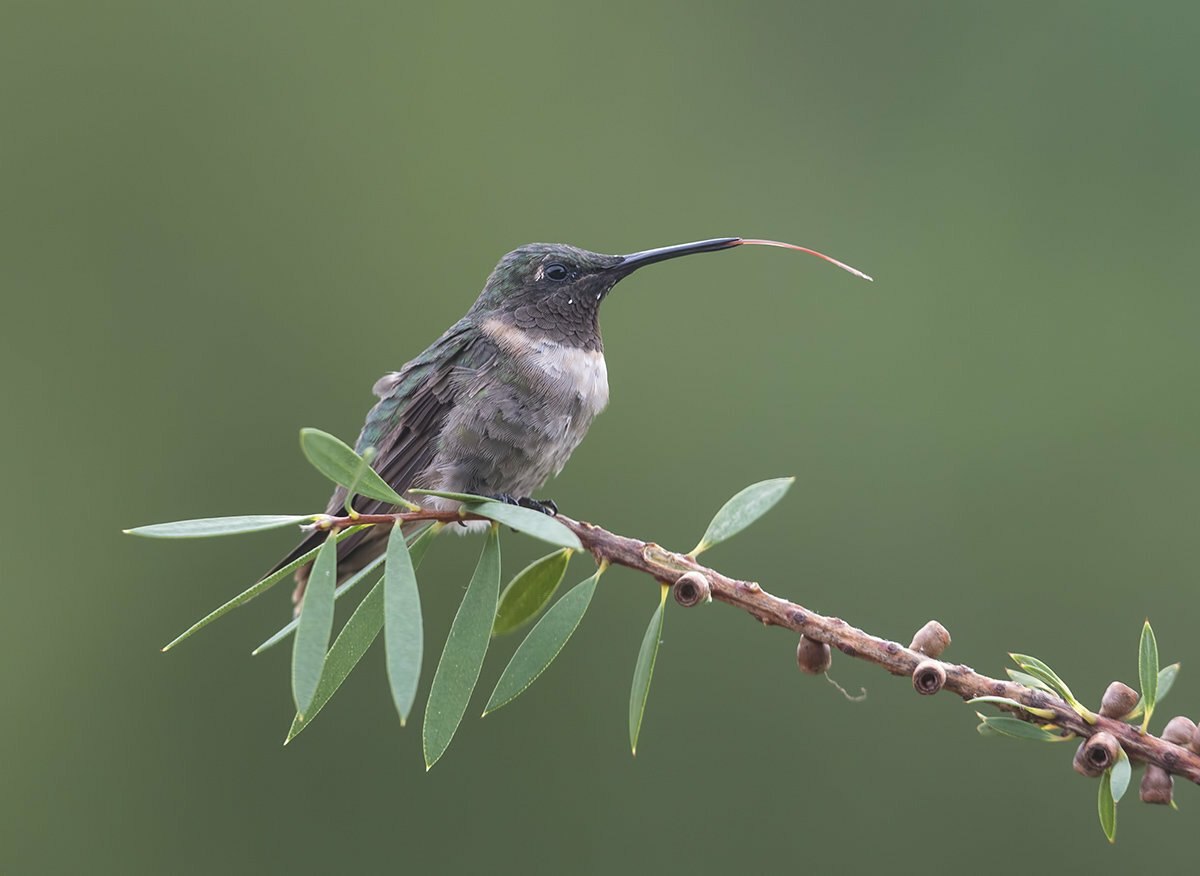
556,272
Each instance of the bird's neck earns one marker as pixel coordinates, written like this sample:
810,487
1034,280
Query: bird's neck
576,327
518,341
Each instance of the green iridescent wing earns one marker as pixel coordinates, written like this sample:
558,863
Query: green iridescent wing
405,427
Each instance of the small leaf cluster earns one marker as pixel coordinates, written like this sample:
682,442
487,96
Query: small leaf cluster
1115,777
392,604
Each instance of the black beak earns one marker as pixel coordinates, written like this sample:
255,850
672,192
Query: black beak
631,263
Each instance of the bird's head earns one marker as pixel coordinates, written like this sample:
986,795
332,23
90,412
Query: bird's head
554,290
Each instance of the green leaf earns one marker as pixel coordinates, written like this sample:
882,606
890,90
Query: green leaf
206,527
257,590
543,643
348,648
364,465
1042,671
529,591
643,672
402,632
1005,701
356,637
1120,771
315,627
1148,672
1018,729
338,462
526,520
462,657
742,510
1029,681
1166,681
983,728
345,587
466,498
1108,807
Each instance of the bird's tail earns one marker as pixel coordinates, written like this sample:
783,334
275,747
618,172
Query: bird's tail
355,552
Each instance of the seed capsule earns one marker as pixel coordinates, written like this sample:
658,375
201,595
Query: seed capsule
691,588
1156,785
931,640
1082,765
812,656
1179,730
928,677
1119,700
1096,754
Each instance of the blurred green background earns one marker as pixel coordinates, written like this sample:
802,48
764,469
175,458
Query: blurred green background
223,221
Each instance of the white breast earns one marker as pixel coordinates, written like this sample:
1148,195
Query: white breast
585,370
571,371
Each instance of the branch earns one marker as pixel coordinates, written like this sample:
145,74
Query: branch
666,567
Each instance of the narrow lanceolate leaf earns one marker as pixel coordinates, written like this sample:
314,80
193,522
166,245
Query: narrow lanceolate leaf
1148,672
643,672
1166,681
1005,701
529,591
1121,772
543,643
402,624
1042,671
257,590
742,510
466,498
348,648
356,637
338,462
983,728
1029,681
462,657
346,586
206,527
1018,729
1108,807
364,466
315,627
526,520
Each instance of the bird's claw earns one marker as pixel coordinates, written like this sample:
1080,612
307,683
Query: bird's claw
546,506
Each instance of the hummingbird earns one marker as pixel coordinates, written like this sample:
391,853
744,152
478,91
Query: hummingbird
497,404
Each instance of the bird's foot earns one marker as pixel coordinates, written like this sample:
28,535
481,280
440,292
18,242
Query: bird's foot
546,506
